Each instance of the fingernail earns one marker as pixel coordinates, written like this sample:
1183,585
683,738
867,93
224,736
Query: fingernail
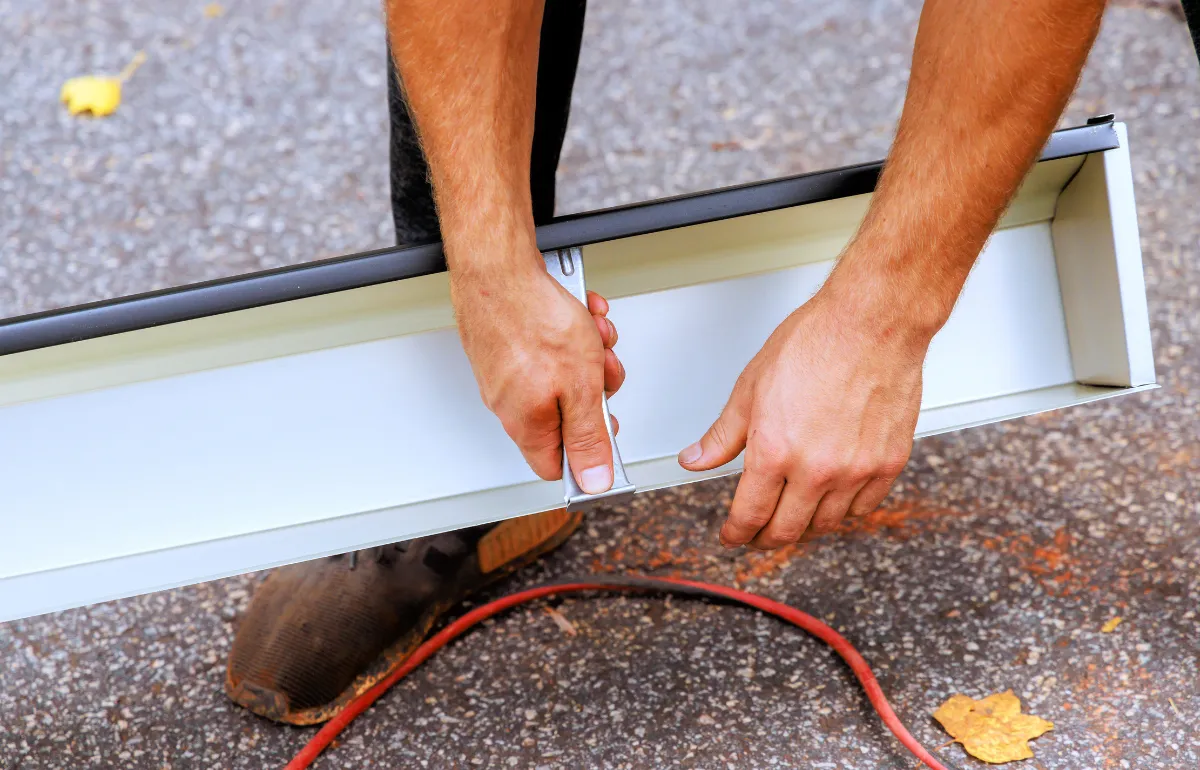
691,454
596,480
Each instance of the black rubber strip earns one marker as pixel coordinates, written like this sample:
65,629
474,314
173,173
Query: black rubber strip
228,295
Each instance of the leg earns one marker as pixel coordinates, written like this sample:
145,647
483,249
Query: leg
318,634
562,36
1191,13
412,197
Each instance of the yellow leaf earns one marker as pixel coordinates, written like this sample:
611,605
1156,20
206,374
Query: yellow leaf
213,10
90,93
97,94
1111,625
992,729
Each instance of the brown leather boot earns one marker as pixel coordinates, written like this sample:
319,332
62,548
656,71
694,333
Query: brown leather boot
320,633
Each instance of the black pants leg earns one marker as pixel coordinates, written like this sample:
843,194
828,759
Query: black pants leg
412,197
1191,12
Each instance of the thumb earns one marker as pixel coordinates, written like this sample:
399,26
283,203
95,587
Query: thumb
725,439
585,438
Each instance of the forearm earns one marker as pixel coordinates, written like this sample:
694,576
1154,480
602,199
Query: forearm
469,71
542,359
989,80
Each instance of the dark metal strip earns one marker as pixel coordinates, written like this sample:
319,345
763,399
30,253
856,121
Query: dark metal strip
185,303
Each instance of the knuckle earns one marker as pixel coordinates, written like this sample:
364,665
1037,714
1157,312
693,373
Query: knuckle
863,467
532,430
863,508
826,526
787,535
588,442
532,417
584,392
539,444
823,471
768,455
546,438
758,520
827,462
514,424
751,520
538,402
892,465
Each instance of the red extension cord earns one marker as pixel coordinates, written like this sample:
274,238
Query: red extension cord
622,583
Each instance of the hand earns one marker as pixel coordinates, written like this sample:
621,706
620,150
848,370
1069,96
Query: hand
826,413
542,360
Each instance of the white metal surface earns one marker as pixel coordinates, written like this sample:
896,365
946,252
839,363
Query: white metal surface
207,448
1100,269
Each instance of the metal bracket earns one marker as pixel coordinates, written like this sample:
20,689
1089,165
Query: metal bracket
566,267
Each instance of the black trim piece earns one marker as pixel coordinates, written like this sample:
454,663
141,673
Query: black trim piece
227,295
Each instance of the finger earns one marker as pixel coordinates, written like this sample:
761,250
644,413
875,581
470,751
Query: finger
597,305
614,372
754,502
871,496
586,439
608,332
725,439
830,511
796,506
538,434
615,423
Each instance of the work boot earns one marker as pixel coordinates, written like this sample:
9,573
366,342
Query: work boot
319,634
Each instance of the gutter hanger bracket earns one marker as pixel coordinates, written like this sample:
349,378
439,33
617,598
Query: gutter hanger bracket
566,267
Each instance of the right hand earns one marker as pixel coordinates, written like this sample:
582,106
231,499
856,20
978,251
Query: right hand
542,361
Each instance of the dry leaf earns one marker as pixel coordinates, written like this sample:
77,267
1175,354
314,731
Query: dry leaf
561,621
213,10
1111,625
992,729
97,94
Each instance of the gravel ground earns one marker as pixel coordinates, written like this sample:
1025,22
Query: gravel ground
258,138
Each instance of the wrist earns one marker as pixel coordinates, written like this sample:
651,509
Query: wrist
889,297
489,235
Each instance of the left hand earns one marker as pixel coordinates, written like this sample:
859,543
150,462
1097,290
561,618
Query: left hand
826,413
